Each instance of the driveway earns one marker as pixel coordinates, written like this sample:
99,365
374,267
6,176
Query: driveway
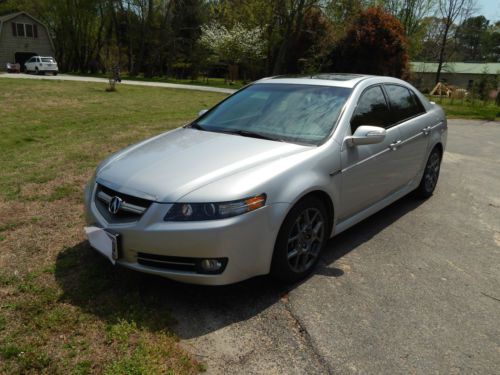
414,289
66,77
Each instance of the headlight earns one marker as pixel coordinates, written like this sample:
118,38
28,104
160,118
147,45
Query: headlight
213,211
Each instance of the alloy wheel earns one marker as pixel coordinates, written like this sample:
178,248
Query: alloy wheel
305,239
432,172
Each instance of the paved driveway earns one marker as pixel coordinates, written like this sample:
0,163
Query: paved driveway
413,290
66,77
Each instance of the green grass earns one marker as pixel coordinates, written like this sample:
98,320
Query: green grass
211,82
72,125
63,308
467,109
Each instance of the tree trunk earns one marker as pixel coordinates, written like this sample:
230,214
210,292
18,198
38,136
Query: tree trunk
441,52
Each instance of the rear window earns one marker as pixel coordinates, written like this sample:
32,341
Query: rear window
47,59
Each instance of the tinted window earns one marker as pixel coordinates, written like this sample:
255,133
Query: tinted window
420,106
372,109
403,103
293,113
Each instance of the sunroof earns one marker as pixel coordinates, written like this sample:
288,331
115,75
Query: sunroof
336,76
325,76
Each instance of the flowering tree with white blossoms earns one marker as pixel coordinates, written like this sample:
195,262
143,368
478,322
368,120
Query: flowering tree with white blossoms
233,46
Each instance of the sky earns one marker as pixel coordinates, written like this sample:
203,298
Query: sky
489,8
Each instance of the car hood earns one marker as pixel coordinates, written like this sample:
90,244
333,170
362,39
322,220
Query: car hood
171,165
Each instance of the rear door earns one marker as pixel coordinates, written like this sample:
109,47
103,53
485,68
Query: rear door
370,172
410,117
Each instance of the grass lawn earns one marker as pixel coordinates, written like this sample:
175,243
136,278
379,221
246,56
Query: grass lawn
458,108
63,308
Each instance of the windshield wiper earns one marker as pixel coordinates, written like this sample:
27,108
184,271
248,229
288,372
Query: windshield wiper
195,125
248,133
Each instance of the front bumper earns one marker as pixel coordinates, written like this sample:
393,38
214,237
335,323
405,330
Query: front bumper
247,241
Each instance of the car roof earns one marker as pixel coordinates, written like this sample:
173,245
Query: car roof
348,80
322,79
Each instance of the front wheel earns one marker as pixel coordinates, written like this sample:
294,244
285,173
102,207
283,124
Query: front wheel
302,237
431,175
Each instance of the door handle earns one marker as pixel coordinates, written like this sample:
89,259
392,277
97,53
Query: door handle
427,130
394,145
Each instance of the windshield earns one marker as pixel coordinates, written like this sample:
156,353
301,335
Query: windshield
286,112
47,59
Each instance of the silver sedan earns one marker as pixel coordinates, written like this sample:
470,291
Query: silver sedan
260,182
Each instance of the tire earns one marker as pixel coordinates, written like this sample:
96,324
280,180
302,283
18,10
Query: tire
301,239
430,176
55,73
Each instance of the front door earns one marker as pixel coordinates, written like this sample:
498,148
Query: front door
415,126
370,172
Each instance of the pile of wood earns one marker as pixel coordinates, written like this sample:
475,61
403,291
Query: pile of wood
442,89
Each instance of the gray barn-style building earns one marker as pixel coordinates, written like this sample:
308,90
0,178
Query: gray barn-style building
459,74
23,36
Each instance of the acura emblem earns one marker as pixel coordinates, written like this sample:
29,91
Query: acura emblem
114,205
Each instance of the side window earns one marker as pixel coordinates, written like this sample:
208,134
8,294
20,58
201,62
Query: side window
404,105
372,109
20,29
421,108
29,30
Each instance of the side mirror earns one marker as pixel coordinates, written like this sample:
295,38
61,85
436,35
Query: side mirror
366,135
202,112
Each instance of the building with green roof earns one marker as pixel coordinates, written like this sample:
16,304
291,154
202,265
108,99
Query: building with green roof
460,74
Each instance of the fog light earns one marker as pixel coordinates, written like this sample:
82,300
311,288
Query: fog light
211,265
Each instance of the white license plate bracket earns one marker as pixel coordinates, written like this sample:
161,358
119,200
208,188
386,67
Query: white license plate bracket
104,242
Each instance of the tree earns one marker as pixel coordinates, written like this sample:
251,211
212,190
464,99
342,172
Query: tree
411,14
341,13
433,31
312,43
374,44
233,46
491,46
472,37
288,22
450,11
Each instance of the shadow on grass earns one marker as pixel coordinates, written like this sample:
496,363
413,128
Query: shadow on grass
154,303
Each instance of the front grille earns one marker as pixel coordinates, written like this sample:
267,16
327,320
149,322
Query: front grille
131,209
171,263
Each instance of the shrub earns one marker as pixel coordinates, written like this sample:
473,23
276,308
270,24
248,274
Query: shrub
374,44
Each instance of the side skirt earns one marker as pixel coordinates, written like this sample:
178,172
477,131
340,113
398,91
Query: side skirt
360,216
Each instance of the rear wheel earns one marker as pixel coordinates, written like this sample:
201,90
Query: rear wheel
302,237
431,175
